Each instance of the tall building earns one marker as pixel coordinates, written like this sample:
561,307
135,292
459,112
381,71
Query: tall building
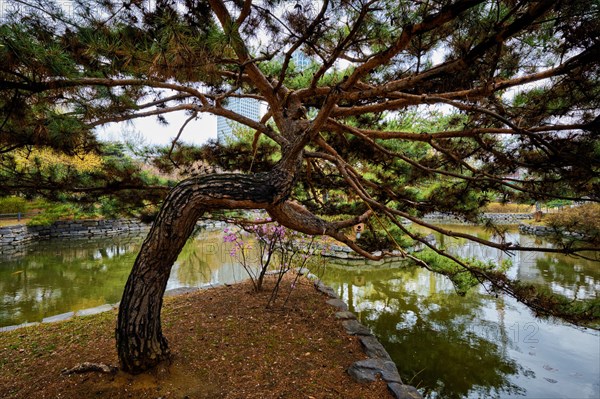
300,60
248,107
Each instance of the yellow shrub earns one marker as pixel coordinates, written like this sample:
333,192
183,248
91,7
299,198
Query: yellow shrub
584,219
45,158
496,207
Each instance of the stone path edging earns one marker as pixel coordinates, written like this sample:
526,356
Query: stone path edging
379,363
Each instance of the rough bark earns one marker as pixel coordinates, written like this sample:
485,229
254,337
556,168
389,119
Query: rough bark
140,342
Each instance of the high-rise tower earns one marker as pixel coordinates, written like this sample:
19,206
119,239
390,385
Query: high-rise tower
248,107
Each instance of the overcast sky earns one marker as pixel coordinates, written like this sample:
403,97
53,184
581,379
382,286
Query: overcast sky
147,131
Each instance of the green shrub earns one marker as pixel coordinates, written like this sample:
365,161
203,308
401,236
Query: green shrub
18,204
110,207
381,240
60,211
558,203
13,205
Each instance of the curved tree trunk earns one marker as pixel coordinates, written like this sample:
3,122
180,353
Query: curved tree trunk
140,342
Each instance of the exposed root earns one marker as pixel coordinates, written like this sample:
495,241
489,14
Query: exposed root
87,367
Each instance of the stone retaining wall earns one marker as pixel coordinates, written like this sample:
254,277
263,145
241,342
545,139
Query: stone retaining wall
344,255
499,218
545,231
13,237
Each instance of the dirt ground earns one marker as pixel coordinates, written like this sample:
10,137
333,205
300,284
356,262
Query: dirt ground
225,343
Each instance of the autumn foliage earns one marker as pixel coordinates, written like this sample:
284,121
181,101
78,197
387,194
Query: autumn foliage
581,219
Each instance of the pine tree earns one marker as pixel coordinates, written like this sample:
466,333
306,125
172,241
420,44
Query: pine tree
406,108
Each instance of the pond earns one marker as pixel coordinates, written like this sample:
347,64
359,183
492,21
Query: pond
479,345
59,276
476,346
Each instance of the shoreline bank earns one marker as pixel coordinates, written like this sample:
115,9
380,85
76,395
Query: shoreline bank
307,317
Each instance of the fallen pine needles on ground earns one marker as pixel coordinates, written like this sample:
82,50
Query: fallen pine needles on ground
225,344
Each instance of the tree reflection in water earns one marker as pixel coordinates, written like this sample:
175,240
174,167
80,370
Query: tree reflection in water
449,346
205,260
57,276
439,340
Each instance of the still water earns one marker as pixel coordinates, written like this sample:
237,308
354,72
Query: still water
59,276
476,346
479,345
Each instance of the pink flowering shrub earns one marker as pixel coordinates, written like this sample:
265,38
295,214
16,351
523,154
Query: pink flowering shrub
263,246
